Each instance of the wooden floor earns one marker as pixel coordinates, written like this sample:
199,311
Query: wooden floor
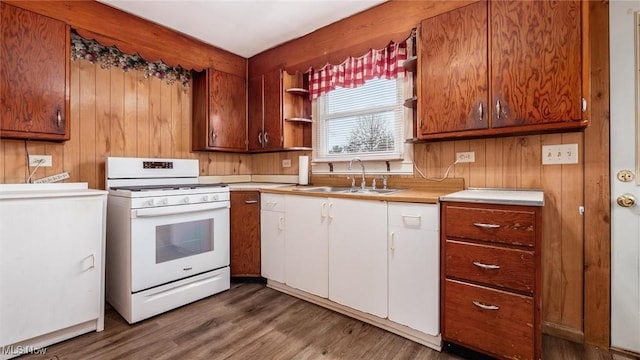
251,321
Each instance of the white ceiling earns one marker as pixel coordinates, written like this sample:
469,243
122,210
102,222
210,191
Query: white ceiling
243,27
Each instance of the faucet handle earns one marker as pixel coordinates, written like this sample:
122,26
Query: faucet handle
353,181
384,181
373,183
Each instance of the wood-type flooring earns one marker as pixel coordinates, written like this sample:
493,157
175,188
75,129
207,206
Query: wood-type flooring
251,321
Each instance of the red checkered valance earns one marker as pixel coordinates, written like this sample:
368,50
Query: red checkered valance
384,63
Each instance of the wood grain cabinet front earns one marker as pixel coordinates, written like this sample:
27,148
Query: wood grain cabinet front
491,278
219,112
279,112
511,82
245,233
34,76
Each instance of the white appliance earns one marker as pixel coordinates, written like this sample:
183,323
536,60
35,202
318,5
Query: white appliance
167,236
52,239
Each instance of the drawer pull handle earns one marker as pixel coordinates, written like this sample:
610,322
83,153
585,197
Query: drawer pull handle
486,226
251,201
486,266
485,307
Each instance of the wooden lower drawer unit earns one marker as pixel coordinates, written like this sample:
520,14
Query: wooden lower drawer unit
493,321
492,223
492,265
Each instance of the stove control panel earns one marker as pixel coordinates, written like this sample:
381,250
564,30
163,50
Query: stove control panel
173,200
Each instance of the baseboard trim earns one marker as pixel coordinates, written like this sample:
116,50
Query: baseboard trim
625,353
434,342
563,332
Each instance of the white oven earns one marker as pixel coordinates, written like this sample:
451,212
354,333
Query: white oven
167,236
178,241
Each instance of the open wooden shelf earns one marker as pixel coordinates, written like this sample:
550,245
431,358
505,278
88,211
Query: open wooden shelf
297,91
410,64
299,119
411,102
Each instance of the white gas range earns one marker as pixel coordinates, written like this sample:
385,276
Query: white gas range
167,236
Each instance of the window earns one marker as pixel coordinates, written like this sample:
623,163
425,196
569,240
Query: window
366,122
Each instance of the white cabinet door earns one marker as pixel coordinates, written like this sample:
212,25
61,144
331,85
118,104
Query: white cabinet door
50,265
358,254
414,266
272,245
306,248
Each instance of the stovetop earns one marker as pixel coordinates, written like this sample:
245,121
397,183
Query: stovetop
167,187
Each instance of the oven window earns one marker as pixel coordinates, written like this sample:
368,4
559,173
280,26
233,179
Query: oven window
175,241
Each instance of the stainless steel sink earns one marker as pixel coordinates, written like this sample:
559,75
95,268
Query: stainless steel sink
373,191
348,190
327,189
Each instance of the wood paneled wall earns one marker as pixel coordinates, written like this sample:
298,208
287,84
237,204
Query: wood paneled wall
516,162
116,113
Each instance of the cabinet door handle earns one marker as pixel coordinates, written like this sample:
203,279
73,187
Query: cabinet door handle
265,138
251,201
58,118
498,108
214,136
392,237
485,266
481,111
330,211
281,223
260,138
323,213
486,226
484,306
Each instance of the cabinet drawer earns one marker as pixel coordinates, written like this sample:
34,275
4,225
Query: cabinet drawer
273,202
493,265
491,224
504,327
414,216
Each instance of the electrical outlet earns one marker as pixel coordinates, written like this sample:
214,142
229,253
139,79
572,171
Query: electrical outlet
466,157
43,160
286,163
559,154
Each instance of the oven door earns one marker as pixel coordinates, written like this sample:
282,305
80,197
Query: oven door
173,242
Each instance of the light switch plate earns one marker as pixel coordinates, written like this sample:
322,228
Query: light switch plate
286,163
559,154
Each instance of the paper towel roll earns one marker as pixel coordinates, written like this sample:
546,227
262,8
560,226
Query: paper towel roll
303,170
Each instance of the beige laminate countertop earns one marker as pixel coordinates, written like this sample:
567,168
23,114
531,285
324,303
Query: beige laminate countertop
254,186
407,195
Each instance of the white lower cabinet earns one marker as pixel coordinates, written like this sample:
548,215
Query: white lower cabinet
414,266
307,220
379,258
272,226
358,255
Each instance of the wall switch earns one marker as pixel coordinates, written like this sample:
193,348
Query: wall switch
466,157
43,160
286,163
559,154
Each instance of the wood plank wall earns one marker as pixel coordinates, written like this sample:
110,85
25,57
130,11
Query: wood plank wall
116,113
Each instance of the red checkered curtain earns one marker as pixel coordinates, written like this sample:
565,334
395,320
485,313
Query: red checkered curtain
384,63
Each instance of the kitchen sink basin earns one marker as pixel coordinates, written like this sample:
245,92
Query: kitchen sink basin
348,190
327,189
373,191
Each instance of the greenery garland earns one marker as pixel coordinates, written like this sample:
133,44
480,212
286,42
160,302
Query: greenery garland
108,56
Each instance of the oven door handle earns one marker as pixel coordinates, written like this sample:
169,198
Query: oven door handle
178,209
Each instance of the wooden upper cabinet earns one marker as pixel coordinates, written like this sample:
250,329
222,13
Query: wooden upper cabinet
272,137
219,111
279,112
265,112
536,62
34,76
453,70
501,68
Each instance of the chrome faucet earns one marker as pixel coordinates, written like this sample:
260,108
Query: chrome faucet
362,182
